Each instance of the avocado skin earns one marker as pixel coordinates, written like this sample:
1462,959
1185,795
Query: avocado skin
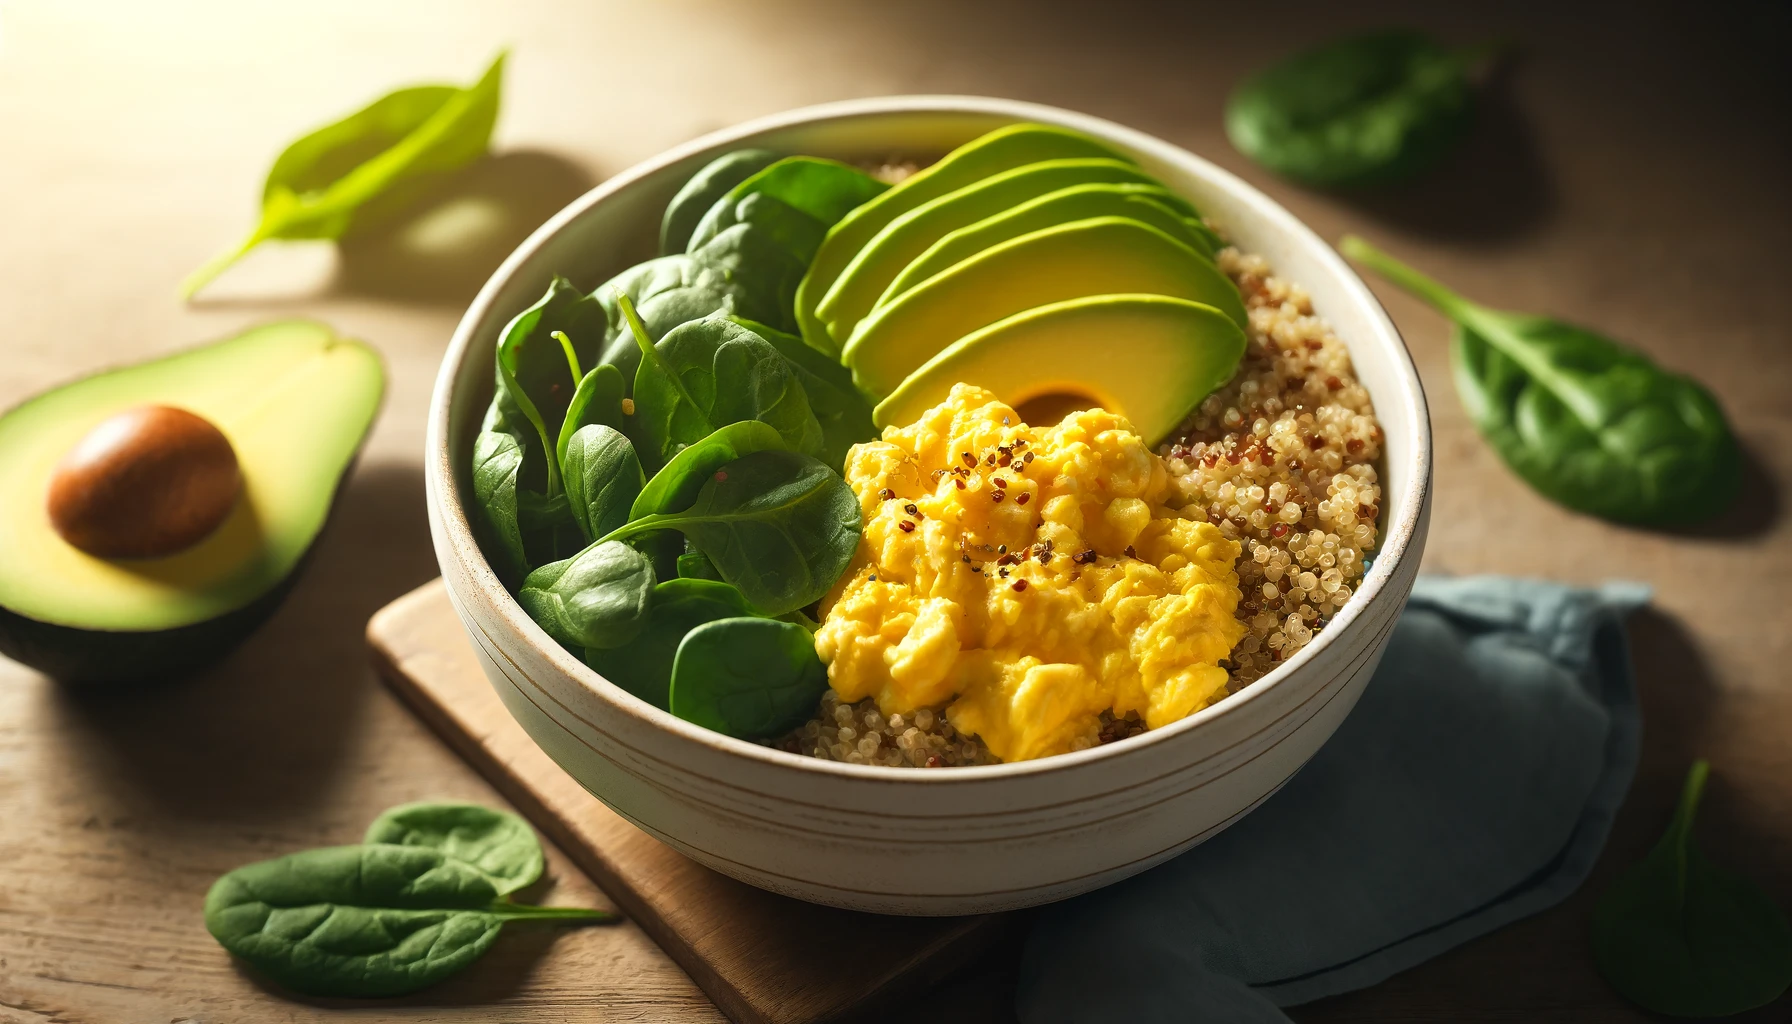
107,657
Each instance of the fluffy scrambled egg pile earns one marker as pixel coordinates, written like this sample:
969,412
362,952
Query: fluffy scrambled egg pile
1027,579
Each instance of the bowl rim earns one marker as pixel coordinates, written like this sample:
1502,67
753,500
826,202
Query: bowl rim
452,516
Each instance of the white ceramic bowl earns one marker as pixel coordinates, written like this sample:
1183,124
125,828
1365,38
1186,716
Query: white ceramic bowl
896,840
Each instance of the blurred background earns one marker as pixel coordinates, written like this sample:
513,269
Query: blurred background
1629,170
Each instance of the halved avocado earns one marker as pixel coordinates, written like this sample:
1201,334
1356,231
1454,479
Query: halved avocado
872,269
293,399
997,151
1159,357
1098,256
1147,204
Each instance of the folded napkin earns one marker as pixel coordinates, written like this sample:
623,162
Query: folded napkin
1473,785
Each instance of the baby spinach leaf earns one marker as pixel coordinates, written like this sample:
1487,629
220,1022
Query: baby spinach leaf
747,677
1366,110
369,920
497,458
695,565
703,189
598,400
643,667
1585,420
541,354
709,373
839,407
779,525
550,530
496,842
325,183
1678,935
675,486
600,597
819,191
602,478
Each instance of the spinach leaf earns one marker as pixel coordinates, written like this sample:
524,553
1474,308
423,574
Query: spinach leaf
550,530
675,486
747,677
709,373
1681,936
1362,111
498,843
598,400
644,667
695,565
540,357
779,525
1586,421
702,191
597,598
602,478
369,920
839,407
497,458
327,182
819,191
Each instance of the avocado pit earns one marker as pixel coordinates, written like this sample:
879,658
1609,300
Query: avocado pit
145,483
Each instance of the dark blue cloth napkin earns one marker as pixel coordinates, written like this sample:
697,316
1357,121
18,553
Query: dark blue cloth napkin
1473,785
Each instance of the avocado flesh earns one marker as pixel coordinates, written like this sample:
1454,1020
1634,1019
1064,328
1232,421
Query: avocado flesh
1146,204
1160,357
999,150
1099,256
294,399
872,269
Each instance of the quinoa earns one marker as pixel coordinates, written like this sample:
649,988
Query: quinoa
1281,458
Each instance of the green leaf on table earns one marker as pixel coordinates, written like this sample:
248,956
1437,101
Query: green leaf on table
600,597
779,525
1678,935
496,842
326,183
747,677
1585,420
1362,111
709,184
369,920
602,478
643,667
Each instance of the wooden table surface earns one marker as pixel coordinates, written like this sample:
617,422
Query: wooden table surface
1630,172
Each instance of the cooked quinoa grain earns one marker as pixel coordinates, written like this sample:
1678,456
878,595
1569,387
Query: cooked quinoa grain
1281,459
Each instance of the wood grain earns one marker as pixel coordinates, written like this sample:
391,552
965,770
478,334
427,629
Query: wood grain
1628,172
764,959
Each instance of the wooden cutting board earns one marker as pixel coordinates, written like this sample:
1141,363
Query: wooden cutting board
763,958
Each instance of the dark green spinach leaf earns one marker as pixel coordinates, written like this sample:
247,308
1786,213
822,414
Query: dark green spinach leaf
747,677
602,478
541,355
550,530
707,374
597,598
1586,421
815,190
779,525
675,486
695,565
597,401
497,459
702,191
1678,935
498,843
370,920
327,182
839,407
1366,110
644,667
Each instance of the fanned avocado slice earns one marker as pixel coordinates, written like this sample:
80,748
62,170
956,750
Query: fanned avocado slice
1160,357
294,401
1003,149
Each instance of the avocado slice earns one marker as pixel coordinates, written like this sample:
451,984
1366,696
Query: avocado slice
997,151
1098,256
294,401
856,290
1160,356
1148,204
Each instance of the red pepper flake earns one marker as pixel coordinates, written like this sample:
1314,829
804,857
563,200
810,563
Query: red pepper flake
1130,553
997,495
906,526
1027,458
959,482
990,459
933,761
1279,530
912,510
969,459
1268,458
1315,442
1362,511
1020,584
1000,484
1004,459
1333,384
721,475
1314,346
886,494
1021,499
1354,445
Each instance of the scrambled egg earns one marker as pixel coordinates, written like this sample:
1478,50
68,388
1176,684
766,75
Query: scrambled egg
1027,579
